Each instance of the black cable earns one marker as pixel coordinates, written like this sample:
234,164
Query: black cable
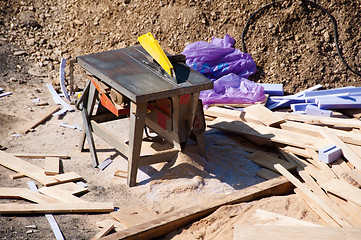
333,21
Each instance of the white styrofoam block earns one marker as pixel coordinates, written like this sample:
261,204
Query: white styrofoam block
314,110
329,153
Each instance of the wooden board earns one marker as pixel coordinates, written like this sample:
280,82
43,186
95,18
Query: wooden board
104,231
318,120
267,174
40,155
313,196
343,190
298,151
294,232
313,130
26,194
68,177
26,168
71,188
52,166
264,115
269,133
280,220
89,207
132,217
43,116
60,195
353,177
172,221
117,225
267,161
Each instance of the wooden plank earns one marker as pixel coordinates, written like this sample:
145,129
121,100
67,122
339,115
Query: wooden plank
16,176
43,116
40,155
316,189
131,217
52,166
104,231
352,211
343,190
269,133
353,177
318,120
315,207
267,161
71,188
88,207
26,168
313,130
298,151
117,225
172,221
68,177
294,232
60,195
350,155
311,195
323,166
267,174
263,114
280,220
27,194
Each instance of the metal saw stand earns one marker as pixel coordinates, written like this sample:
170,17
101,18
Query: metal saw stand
109,69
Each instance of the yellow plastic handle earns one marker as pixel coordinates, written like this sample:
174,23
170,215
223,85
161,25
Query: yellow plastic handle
154,49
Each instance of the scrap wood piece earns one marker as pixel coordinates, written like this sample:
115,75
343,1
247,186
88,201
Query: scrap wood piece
24,193
295,150
318,120
70,187
322,165
353,177
78,207
14,176
267,161
26,168
117,225
172,221
315,207
314,130
347,152
280,220
43,117
60,195
267,174
104,231
316,189
231,114
131,217
269,133
294,232
313,196
263,114
67,177
343,190
52,166
40,155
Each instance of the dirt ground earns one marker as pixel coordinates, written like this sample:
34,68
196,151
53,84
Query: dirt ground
290,43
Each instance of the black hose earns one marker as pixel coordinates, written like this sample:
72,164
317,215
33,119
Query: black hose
333,20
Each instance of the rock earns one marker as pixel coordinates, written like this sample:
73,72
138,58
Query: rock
326,35
30,42
37,72
19,53
27,19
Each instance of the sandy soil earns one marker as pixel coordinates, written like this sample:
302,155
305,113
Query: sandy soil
291,44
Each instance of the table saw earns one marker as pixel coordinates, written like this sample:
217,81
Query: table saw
155,91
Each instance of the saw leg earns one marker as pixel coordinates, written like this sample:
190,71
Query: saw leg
88,104
137,121
199,126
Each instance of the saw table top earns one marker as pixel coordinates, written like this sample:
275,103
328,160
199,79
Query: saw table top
130,72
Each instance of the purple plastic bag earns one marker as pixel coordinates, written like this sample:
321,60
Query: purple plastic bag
218,58
228,68
232,89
